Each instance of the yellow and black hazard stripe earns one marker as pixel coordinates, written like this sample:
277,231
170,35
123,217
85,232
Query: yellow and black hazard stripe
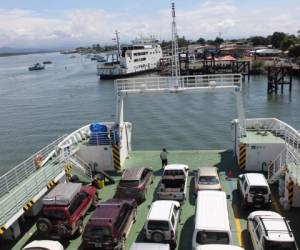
243,150
2,230
290,189
51,184
68,171
28,205
116,157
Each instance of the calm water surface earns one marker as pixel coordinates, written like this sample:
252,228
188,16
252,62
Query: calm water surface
37,107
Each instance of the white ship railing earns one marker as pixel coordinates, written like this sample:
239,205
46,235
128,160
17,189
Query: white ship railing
174,84
181,82
290,135
19,173
291,156
13,202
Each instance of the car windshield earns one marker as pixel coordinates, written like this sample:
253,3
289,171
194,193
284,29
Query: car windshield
209,180
158,225
204,237
55,214
173,172
129,183
99,232
270,245
258,190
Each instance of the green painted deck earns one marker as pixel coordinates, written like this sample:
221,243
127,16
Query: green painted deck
256,138
223,159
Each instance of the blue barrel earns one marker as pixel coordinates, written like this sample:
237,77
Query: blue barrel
99,135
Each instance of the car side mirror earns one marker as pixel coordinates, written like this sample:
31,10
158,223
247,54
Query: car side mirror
186,169
228,196
240,176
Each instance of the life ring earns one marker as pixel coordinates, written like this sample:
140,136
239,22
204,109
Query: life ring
38,160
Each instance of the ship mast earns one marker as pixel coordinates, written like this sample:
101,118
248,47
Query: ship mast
118,42
175,63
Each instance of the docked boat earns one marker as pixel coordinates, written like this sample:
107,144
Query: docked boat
47,62
36,66
266,145
142,56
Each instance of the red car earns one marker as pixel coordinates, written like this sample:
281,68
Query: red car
64,209
110,224
135,183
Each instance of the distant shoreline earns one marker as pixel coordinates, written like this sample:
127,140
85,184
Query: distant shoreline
24,53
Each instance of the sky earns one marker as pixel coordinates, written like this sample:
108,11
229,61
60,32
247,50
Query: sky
72,23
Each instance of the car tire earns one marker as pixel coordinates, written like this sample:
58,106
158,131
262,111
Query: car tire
80,228
157,237
44,226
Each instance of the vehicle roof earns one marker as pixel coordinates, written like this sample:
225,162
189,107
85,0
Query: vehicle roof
275,225
208,171
211,211
256,179
107,212
218,247
49,244
175,167
161,210
62,194
132,174
149,246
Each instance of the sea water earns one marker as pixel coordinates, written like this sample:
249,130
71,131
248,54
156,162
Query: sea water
36,107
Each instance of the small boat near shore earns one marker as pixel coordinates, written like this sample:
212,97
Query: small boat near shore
37,66
47,62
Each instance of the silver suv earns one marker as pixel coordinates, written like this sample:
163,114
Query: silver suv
254,190
269,230
162,221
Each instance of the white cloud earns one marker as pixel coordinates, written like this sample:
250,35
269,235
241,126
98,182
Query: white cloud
24,28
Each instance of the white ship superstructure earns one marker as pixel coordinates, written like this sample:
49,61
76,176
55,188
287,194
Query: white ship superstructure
141,56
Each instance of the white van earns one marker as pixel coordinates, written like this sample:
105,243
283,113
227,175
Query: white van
149,246
211,219
219,247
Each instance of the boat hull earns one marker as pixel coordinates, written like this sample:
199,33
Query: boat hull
111,77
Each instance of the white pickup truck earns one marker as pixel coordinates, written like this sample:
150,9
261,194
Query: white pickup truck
173,184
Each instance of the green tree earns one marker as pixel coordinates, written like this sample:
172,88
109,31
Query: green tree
218,41
295,51
258,40
277,39
182,42
288,42
98,47
210,42
201,41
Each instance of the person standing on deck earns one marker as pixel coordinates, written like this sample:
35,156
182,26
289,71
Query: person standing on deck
164,157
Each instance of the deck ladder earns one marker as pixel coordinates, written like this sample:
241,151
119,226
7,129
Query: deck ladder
286,160
81,165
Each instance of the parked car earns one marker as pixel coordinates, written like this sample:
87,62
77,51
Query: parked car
149,246
254,190
134,183
64,208
110,224
207,178
173,184
218,247
44,245
162,221
269,230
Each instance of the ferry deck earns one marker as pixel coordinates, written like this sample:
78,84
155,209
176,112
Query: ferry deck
281,142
